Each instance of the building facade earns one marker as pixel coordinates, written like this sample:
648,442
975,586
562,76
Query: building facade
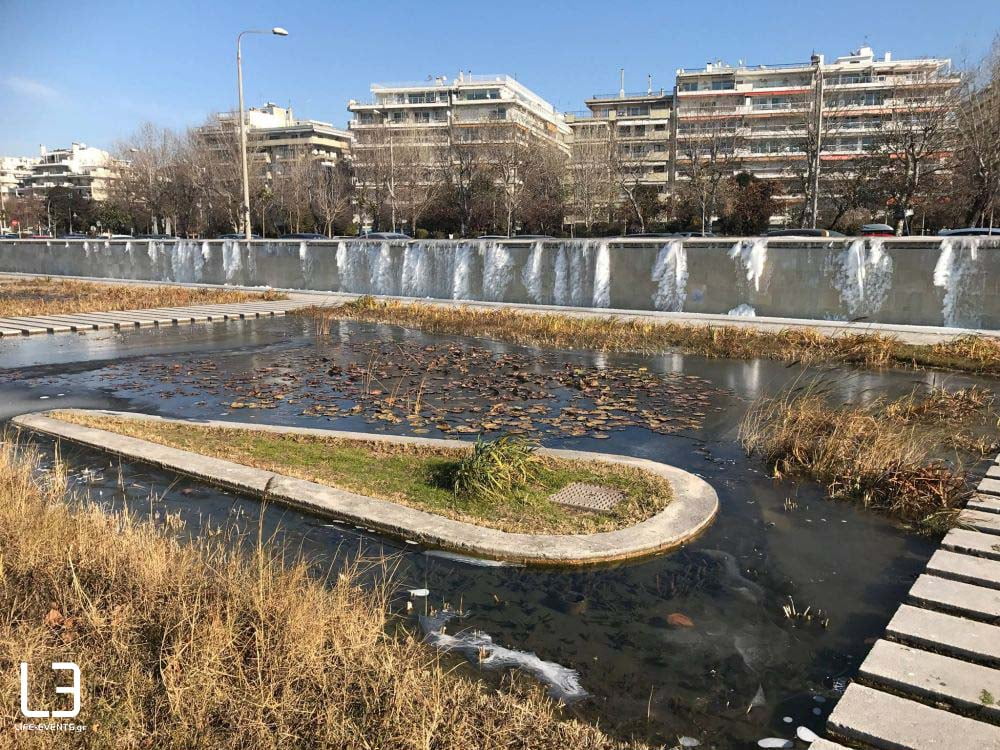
408,133
789,122
631,135
275,135
86,170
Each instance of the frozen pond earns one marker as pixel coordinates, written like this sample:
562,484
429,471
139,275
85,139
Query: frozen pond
731,678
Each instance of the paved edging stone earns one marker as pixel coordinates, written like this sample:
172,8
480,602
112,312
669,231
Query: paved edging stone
692,509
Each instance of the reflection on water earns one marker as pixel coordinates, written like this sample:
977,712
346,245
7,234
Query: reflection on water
692,643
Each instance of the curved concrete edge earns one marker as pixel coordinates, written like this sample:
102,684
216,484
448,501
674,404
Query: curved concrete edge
692,509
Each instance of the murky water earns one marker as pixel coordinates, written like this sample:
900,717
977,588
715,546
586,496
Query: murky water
738,674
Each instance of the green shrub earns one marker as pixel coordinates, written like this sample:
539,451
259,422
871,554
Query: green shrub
498,469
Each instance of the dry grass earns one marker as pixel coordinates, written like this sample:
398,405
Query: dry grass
192,645
809,346
904,457
48,296
416,476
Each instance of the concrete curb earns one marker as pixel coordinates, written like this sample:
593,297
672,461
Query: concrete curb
693,508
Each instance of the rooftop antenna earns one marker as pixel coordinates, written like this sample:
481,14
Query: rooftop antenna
621,91
649,83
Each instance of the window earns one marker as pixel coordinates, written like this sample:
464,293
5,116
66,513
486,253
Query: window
477,94
660,127
689,86
638,111
721,85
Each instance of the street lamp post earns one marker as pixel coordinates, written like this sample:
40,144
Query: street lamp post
277,31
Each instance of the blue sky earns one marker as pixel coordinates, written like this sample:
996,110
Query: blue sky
93,71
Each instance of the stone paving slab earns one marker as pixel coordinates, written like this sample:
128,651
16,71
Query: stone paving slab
692,509
990,486
912,671
49,324
827,745
26,327
988,523
993,472
972,543
893,723
966,568
962,598
984,503
954,636
160,316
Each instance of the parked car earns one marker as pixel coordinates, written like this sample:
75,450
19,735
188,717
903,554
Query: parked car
237,237
72,236
804,233
385,236
694,234
493,237
10,236
532,237
877,230
155,237
650,235
971,232
304,236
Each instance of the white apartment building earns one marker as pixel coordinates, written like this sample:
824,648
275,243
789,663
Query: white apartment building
13,171
767,114
82,168
276,132
638,126
425,110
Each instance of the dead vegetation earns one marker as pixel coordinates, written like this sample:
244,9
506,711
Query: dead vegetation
192,644
906,457
49,296
553,330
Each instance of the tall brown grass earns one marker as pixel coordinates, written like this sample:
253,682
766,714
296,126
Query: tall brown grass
905,457
195,645
48,296
555,330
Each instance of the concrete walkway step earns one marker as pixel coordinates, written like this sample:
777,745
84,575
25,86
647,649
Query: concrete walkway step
25,327
893,723
988,523
972,543
984,503
990,486
50,325
947,634
975,602
969,687
822,744
966,568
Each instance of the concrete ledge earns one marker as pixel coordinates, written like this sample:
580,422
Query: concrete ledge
888,721
691,510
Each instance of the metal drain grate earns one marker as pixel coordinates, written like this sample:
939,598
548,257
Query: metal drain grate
588,496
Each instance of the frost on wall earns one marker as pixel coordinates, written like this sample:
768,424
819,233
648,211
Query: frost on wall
751,256
957,266
670,275
864,277
602,276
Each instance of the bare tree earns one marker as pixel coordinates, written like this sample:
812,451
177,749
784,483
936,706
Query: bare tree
913,139
332,195
977,140
589,173
466,171
710,154
509,154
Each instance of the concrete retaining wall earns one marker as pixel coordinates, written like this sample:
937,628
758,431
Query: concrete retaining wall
920,281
